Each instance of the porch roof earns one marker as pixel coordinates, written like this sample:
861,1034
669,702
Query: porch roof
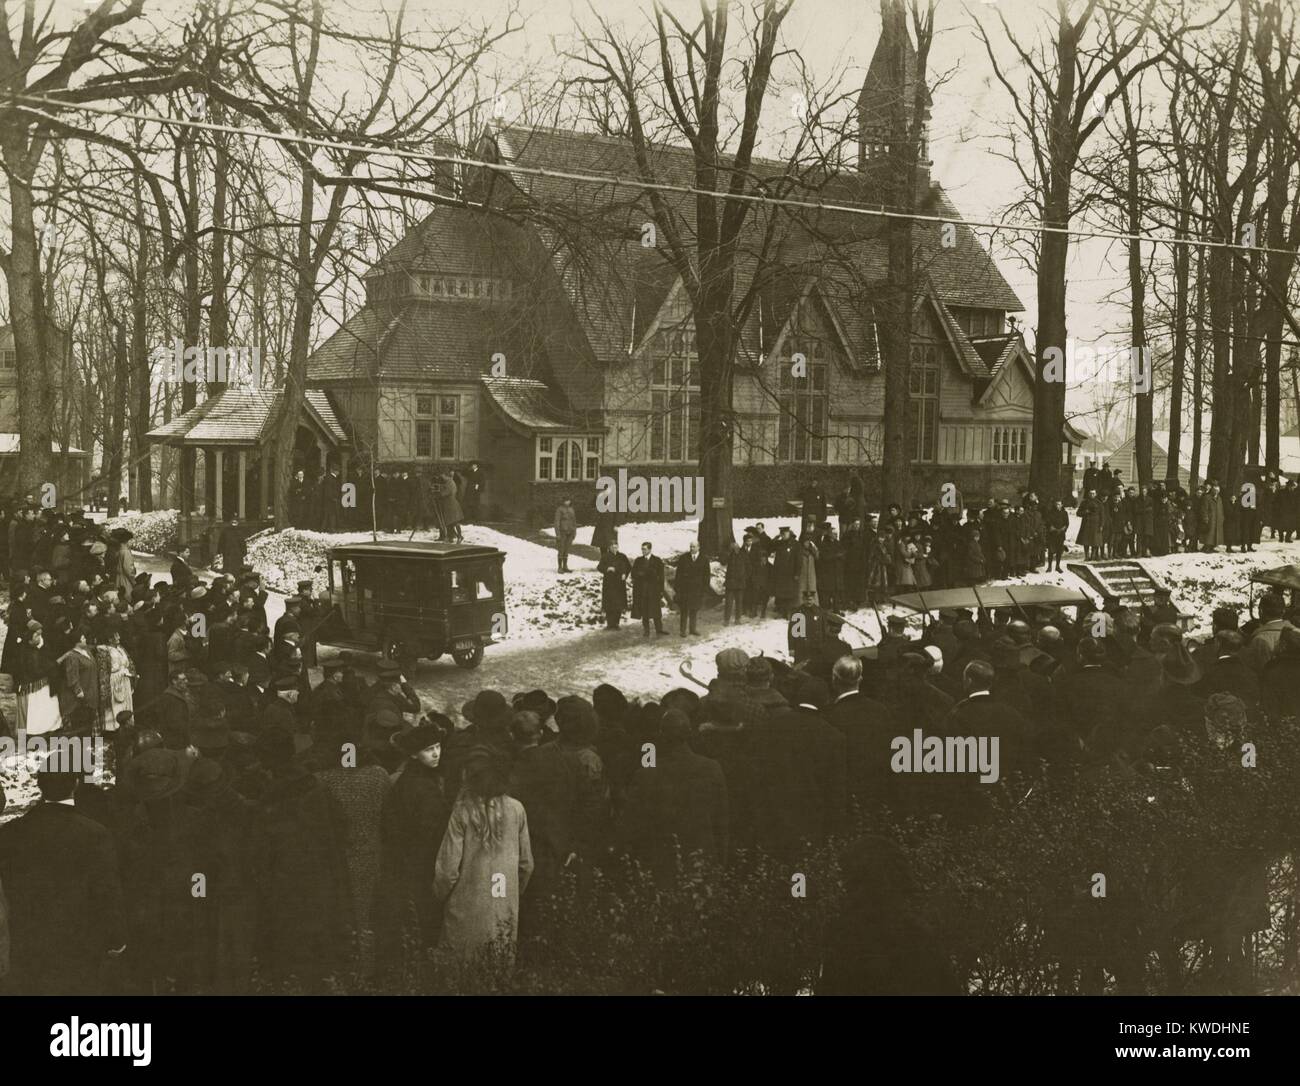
244,417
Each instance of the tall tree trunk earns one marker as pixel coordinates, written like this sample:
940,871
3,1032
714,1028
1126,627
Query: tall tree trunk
1141,377
115,436
219,313
27,315
1198,354
1178,364
193,313
1050,382
142,399
906,126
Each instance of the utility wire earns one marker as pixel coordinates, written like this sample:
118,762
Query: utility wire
637,183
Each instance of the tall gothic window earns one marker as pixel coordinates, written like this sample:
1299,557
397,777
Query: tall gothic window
803,389
675,398
924,386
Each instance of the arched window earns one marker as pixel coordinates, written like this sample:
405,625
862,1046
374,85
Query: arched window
568,460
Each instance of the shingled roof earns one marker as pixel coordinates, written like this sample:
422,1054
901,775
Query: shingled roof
243,416
591,239
530,406
612,215
459,240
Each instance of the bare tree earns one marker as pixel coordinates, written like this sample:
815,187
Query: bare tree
907,125
1060,105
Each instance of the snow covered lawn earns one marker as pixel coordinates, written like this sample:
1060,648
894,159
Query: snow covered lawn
154,533
539,601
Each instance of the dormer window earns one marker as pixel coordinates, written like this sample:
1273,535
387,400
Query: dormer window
427,285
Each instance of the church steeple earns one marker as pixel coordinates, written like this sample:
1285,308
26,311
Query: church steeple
884,90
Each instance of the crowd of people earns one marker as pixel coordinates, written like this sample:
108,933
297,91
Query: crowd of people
1139,521
872,555
258,829
391,499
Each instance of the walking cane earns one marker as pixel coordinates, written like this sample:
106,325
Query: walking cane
685,668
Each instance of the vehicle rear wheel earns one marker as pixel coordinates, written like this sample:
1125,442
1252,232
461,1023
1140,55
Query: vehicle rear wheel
468,658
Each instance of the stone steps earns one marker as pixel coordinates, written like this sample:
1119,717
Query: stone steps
1126,578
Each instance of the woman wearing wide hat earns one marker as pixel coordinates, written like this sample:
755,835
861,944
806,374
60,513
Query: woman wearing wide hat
121,562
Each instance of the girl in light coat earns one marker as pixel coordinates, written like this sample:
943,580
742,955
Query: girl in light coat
483,866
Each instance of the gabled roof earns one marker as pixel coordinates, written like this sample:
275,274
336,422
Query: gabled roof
244,416
597,229
999,353
456,240
352,350
419,339
528,405
967,357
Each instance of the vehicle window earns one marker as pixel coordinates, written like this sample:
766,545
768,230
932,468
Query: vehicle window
468,586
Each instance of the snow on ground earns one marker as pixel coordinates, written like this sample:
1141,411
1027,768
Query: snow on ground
557,641
153,533
538,601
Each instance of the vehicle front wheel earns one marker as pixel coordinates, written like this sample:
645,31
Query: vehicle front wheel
468,658
399,652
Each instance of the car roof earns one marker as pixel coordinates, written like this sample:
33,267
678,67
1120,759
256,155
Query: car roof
415,548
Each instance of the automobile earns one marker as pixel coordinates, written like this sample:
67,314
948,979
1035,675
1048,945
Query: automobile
415,600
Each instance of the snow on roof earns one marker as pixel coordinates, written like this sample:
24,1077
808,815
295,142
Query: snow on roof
10,444
241,416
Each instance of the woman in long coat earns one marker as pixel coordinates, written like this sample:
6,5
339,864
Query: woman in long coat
1289,512
1211,518
1159,521
614,569
61,557
412,826
80,677
448,506
116,676
905,561
484,864
605,530
38,709
1090,526
121,563
784,574
15,623
807,570
1121,527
